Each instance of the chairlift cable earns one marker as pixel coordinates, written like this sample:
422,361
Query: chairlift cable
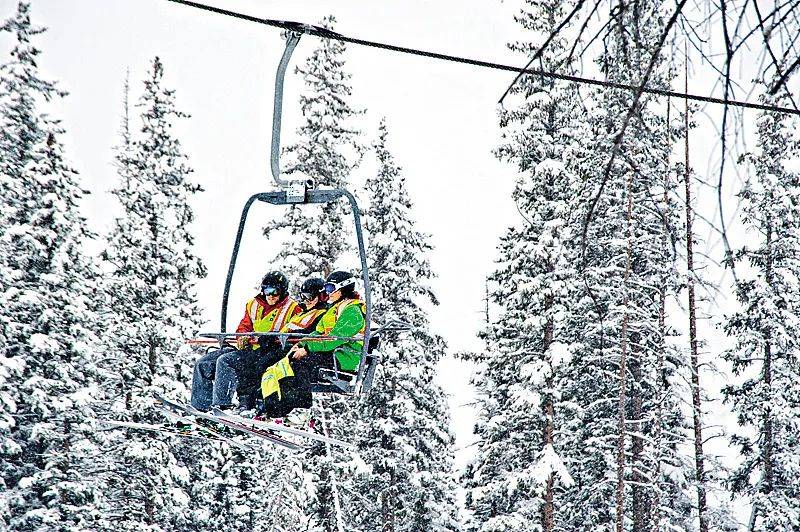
328,34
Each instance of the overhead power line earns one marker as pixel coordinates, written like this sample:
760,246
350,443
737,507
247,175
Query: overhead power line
328,34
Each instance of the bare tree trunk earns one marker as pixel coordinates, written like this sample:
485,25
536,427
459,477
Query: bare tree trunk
547,507
695,366
639,493
655,506
767,377
152,359
623,353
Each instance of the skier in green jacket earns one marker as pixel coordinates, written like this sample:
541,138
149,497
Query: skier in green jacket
344,319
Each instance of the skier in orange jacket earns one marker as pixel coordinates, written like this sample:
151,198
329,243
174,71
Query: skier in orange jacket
218,374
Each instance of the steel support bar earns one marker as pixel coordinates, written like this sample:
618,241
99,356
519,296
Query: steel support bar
365,277
277,113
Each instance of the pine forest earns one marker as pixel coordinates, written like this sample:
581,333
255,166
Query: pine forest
504,266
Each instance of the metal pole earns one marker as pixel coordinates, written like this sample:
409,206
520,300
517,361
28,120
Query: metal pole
232,265
291,43
365,277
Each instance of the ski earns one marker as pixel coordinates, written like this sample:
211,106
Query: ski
191,431
235,425
173,410
165,429
268,425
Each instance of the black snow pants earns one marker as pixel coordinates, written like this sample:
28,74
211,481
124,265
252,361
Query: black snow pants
296,391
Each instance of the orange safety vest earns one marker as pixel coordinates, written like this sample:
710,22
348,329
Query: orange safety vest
303,320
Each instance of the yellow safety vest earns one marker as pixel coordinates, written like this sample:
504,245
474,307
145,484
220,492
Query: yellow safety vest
274,320
270,380
326,324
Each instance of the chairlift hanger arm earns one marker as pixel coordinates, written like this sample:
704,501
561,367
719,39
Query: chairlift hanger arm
277,114
328,34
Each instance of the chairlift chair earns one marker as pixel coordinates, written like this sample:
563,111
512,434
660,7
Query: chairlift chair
298,192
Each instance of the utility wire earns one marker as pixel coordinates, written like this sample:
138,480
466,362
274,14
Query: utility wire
328,34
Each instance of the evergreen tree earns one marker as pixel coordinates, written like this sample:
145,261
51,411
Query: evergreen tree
48,311
766,329
151,308
514,481
563,337
626,381
400,428
315,237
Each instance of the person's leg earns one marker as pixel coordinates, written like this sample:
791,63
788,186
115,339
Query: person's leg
249,379
306,369
203,379
296,391
229,366
271,355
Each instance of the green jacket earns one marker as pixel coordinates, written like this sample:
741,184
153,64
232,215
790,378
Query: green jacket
350,323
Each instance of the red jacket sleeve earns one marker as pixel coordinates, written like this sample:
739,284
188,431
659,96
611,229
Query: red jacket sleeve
246,325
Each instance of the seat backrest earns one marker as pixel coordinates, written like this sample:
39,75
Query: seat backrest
374,342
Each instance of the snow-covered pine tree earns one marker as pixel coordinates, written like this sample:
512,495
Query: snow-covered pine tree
517,476
151,308
404,480
765,356
556,388
327,150
48,311
625,377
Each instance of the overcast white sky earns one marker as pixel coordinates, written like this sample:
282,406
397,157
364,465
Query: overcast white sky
442,120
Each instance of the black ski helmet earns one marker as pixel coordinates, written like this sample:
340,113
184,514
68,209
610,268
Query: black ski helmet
340,280
313,287
276,280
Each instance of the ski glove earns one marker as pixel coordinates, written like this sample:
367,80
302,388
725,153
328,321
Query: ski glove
242,342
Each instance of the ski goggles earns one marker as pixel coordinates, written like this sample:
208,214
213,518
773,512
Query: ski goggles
308,296
333,287
269,291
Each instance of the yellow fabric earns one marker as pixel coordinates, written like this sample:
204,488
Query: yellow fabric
326,324
270,380
273,320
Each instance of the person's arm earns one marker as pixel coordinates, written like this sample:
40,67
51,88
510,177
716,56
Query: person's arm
246,325
349,324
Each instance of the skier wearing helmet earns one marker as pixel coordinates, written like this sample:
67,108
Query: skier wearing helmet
280,396
218,373
344,319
